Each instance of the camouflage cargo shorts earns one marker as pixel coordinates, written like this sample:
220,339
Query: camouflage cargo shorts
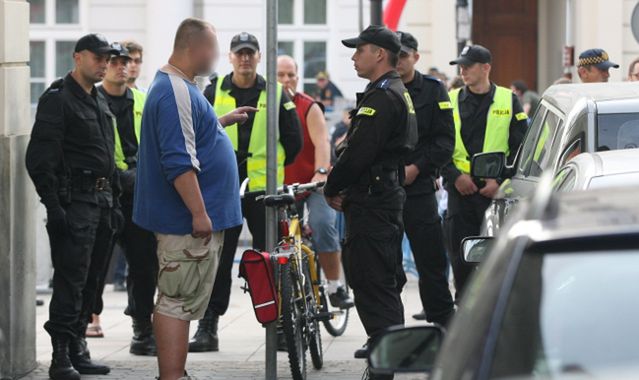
187,273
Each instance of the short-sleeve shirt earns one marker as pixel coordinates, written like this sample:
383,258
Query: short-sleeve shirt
180,132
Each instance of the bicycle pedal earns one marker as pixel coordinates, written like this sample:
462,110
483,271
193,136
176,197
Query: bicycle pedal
323,316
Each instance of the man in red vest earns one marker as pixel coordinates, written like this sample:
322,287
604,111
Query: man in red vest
311,165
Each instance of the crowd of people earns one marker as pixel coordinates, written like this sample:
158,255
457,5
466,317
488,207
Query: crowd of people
157,173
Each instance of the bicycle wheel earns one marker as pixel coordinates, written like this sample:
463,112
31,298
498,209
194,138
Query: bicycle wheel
336,325
292,322
312,323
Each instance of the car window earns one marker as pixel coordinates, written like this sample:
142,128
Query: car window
573,149
563,317
617,131
542,152
530,141
565,179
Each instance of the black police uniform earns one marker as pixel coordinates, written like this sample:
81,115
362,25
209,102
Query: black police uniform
466,213
139,245
290,136
70,160
421,218
369,172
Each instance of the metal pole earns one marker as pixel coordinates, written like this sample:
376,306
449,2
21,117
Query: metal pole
376,12
360,14
272,109
569,49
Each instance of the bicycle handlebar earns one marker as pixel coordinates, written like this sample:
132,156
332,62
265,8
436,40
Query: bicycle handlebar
294,189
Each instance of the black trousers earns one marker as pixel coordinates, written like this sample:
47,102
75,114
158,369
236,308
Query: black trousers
255,215
464,219
424,230
372,257
140,249
80,257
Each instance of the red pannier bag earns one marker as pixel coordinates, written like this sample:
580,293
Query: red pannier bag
257,269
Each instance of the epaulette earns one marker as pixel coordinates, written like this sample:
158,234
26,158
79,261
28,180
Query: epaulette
432,78
384,85
55,87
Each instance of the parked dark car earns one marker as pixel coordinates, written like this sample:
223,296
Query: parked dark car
554,299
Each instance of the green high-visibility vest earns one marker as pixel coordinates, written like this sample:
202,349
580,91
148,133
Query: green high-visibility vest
500,114
139,98
256,164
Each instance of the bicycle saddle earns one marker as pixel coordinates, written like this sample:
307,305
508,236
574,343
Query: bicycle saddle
279,200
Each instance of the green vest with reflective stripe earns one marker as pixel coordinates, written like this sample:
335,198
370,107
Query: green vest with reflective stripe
500,114
256,164
139,98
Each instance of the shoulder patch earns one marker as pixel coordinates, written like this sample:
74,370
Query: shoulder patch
289,105
521,116
445,105
366,111
409,102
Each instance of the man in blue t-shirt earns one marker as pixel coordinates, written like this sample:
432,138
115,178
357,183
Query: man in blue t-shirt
187,189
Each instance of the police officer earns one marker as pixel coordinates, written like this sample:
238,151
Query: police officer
138,245
594,66
366,182
70,160
245,88
434,149
488,118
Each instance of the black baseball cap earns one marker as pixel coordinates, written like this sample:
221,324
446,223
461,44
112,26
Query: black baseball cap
596,57
473,54
376,35
244,40
122,51
95,43
408,42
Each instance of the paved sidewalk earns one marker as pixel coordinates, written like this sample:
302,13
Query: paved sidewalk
241,343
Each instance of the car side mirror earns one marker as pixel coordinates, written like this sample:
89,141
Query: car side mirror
405,349
488,165
475,249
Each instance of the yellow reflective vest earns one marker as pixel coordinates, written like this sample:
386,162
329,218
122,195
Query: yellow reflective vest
500,114
139,98
256,164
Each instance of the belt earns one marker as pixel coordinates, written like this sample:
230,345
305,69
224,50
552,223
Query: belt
87,183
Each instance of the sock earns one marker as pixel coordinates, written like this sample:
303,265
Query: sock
332,285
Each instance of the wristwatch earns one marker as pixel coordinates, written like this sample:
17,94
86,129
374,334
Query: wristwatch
321,171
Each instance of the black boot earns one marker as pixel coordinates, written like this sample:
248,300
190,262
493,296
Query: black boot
205,338
61,368
143,341
81,359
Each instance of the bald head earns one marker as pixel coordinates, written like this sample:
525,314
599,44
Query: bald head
195,46
190,31
287,73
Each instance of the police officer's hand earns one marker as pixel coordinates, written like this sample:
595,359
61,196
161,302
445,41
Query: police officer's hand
202,227
57,221
238,115
335,202
490,190
465,185
117,220
411,172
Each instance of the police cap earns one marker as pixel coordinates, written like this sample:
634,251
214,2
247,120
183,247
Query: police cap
376,35
244,40
596,57
473,54
408,41
95,43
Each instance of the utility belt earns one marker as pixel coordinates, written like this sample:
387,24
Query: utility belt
381,178
86,182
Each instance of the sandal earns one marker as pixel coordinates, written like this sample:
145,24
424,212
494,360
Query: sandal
94,330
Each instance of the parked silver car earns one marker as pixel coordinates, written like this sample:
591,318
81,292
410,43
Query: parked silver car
598,170
571,119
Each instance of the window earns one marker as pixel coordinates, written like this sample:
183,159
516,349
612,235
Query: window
37,65
528,145
314,62
285,12
574,148
617,131
37,11
286,48
67,12
543,146
565,180
315,12
544,333
63,57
